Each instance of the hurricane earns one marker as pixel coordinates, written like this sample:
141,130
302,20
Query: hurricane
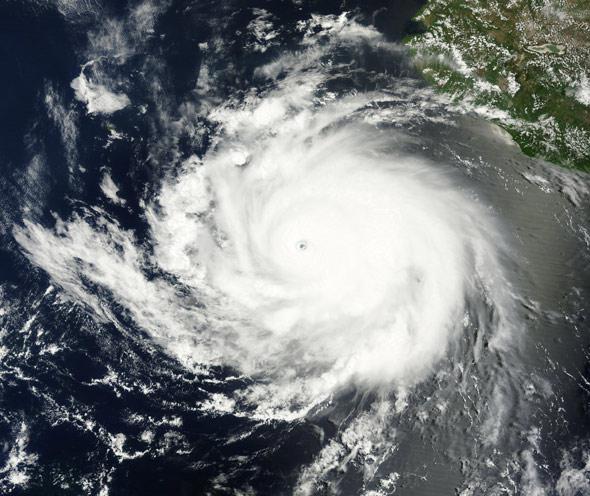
320,276
345,258
319,252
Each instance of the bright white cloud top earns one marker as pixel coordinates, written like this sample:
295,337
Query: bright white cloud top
314,253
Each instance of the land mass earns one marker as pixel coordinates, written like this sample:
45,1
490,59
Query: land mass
525,64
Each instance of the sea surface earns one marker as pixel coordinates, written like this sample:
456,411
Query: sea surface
246,250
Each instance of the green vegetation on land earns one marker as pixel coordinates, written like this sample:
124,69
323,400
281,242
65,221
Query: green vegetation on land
523,63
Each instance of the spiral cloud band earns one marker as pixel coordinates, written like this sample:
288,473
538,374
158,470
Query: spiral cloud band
312,252
337,258
357,259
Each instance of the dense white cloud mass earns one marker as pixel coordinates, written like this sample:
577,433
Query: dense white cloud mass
314,253
323,276
97,97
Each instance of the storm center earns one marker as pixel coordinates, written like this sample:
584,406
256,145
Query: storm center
301,245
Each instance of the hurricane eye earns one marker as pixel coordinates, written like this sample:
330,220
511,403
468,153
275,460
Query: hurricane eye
301,245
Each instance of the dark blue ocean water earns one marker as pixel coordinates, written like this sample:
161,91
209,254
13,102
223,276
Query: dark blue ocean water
93,406
53,394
